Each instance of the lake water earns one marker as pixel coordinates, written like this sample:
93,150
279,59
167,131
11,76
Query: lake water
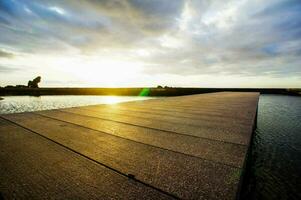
15,104
274,170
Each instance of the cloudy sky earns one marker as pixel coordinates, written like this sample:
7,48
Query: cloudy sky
128,43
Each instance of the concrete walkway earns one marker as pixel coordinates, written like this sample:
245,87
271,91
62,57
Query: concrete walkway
188,147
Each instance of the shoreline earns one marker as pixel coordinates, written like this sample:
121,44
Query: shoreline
138,91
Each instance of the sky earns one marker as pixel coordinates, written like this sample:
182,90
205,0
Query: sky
145,43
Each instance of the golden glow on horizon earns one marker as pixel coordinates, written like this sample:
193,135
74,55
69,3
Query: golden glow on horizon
117,70
114,73
91,70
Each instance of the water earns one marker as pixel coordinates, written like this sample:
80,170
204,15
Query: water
16,104
275,170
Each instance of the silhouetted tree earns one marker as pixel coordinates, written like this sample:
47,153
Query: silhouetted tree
34,83
159,86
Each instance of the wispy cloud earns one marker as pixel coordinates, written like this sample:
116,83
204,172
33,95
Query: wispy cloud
5,69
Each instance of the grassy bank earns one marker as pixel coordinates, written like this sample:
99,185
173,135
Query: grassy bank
137,91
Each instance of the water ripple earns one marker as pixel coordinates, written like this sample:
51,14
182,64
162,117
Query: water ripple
276,149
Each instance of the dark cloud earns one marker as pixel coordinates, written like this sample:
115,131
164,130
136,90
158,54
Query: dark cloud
158,8
5,54
157,15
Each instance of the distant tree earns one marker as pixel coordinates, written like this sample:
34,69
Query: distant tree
34,83
29,84
159,86
166,87
21,86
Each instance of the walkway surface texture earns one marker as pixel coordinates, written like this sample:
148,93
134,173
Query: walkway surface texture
188,147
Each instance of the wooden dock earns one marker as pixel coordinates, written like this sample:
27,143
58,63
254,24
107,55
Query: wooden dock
187,147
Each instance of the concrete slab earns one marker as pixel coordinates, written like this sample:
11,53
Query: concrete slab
188,147
143,112
226,153
184,176
32,167
226,134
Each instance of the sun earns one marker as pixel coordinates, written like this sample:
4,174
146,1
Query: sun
108,72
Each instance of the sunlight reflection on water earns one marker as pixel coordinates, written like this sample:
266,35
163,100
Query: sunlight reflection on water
16,104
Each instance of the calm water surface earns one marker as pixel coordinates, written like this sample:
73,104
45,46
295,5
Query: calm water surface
275,171
15,104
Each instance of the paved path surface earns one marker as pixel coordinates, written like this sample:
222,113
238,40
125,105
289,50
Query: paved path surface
188,147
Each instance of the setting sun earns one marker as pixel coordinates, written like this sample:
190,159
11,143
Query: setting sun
106,71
